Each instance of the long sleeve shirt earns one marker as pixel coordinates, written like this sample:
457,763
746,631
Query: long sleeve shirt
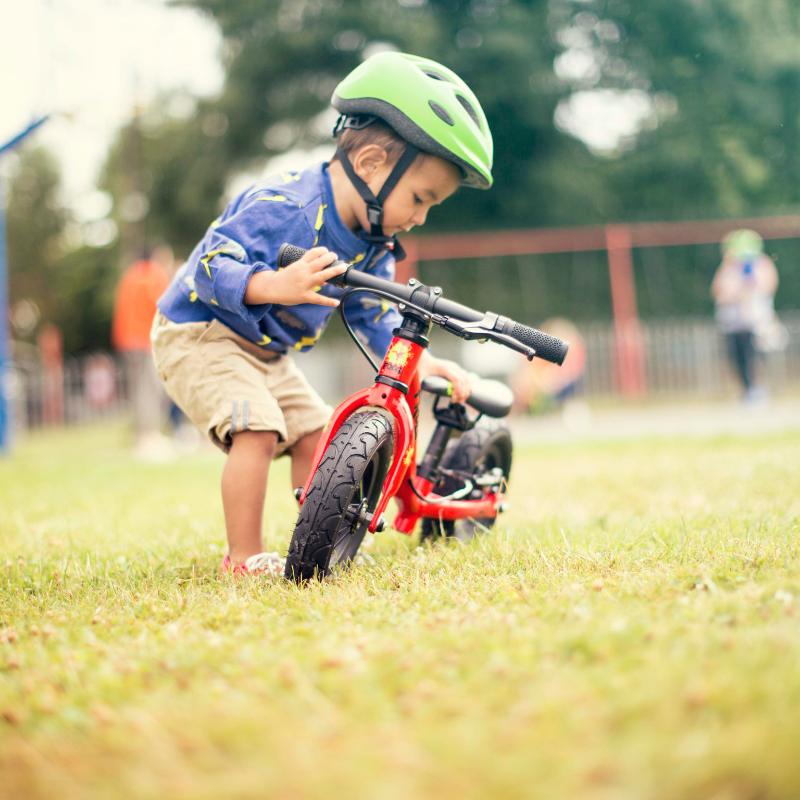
297,208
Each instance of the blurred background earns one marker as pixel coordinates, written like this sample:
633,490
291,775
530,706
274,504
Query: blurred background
630,139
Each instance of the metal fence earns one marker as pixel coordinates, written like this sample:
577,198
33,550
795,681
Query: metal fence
683,358
81,390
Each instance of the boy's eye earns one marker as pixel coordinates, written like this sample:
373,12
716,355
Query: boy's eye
417,200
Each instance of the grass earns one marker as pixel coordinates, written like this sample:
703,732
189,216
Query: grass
629,631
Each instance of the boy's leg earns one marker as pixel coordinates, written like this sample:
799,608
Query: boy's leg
244,487
302,456
218,379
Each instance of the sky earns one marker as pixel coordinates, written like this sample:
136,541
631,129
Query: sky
87,63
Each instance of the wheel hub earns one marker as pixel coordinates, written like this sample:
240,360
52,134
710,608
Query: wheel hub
356,515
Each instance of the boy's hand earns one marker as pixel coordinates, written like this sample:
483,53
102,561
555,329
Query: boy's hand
298,283
457,375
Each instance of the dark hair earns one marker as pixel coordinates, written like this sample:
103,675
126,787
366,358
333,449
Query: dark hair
351,139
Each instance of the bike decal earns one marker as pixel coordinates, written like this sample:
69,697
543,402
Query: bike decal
397,357
415,408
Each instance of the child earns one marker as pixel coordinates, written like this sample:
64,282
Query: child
743,290
410,133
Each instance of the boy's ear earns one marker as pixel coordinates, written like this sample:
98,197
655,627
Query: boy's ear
369,160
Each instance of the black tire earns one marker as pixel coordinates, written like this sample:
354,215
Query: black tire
351,471
486,446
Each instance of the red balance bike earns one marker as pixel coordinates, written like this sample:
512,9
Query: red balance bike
367,454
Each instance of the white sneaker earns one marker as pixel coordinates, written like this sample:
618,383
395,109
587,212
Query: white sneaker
265,563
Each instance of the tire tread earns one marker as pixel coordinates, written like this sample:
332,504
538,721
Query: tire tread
360,436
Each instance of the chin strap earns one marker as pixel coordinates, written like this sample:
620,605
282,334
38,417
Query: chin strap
375,204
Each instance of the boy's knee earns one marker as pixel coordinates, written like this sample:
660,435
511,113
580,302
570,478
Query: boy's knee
265,443
307,442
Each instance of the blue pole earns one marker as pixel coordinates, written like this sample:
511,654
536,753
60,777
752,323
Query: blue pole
6,398
13,142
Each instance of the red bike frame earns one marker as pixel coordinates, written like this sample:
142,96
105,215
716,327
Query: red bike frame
401,365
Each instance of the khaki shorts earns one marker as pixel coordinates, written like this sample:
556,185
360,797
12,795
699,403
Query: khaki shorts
226,384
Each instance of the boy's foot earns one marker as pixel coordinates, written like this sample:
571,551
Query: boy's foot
261,563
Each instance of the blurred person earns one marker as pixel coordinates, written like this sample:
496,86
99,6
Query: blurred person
100,380
140,286
51,356
743,290
540,385
410,133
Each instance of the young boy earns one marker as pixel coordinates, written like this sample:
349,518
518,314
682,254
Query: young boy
410,133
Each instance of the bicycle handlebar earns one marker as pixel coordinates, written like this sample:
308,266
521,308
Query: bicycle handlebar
456,318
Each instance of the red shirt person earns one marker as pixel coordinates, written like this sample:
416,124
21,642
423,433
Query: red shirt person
135,305
142,283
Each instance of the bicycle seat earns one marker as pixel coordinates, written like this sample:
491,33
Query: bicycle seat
489,397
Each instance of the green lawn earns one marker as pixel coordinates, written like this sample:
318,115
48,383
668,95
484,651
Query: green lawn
631,630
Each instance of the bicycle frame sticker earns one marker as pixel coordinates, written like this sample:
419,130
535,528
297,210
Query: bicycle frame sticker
397,358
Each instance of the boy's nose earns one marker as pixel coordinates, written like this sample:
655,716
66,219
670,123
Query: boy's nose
419,217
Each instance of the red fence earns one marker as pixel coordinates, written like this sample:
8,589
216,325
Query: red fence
618,240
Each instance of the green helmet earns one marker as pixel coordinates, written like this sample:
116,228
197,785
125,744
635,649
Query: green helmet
425,103
743,243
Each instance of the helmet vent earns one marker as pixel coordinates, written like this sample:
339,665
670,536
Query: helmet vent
440,112
437,76
470,110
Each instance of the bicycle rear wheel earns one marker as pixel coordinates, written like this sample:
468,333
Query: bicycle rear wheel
478,451
346,486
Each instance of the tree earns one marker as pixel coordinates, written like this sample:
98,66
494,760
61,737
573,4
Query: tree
35,220
283,61
723,79
728,74
180,165
718,81
71,286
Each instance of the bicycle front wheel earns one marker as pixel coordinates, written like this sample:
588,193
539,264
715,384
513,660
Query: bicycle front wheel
346,486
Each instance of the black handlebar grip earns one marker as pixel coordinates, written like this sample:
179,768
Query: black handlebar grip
289,253
547,347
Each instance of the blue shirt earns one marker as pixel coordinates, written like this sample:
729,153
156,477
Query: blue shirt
291,207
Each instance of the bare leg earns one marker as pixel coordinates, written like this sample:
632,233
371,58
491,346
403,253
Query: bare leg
244,487
302,456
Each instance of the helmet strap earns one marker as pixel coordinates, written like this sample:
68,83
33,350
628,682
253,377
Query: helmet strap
375,204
